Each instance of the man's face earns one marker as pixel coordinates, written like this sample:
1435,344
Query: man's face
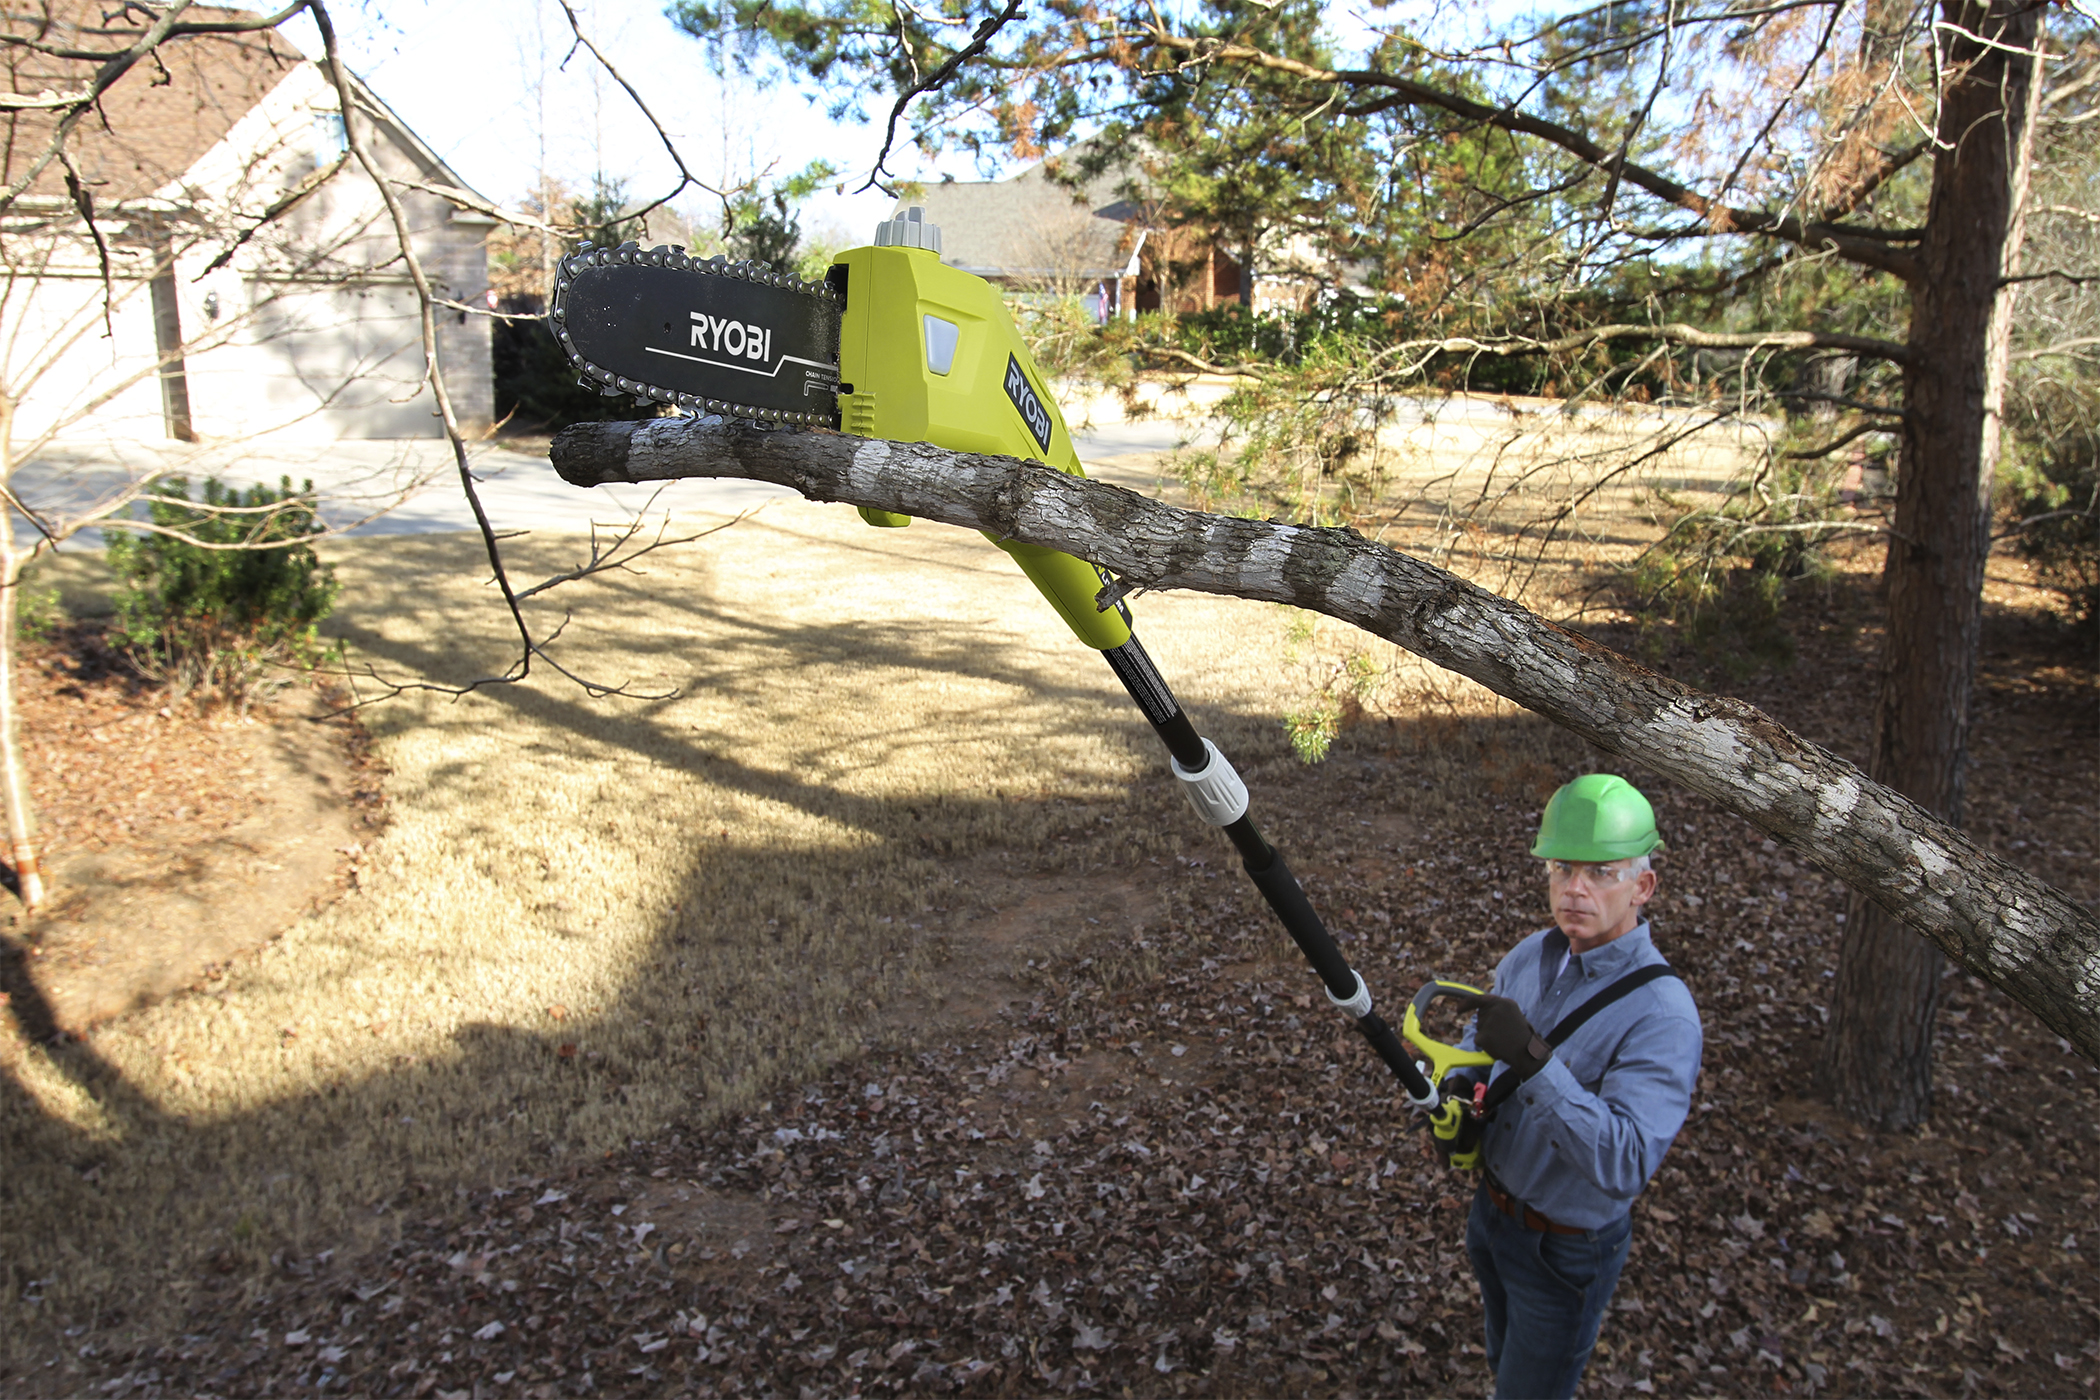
1593,904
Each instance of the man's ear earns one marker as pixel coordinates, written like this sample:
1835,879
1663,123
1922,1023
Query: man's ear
1643,888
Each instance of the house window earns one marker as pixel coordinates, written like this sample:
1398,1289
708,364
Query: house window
329,140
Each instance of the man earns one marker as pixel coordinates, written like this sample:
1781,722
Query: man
1583,1104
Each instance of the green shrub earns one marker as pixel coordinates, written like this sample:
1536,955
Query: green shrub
230,603
1338,689
2051,487
39,612
1719,580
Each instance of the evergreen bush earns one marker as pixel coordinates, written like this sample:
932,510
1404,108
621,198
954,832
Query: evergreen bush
229,602
1719,579
2051,486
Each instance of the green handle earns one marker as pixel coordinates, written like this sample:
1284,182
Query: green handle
1443,1059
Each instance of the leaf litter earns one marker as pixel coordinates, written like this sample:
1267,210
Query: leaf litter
1061,1207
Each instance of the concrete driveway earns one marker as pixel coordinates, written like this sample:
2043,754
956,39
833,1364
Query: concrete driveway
411,487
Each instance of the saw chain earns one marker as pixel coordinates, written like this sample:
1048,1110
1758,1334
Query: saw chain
705,335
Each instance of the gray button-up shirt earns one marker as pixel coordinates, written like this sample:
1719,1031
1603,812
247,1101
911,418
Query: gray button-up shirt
1581,1138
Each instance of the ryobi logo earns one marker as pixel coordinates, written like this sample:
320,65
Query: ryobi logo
1032,411
725,337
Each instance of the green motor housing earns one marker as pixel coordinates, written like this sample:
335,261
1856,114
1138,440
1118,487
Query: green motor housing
930,354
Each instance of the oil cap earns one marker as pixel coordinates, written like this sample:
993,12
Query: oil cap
909,230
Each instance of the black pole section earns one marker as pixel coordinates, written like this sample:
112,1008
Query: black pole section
1302,922
1133,666
1287,897
1264,863
1398,1058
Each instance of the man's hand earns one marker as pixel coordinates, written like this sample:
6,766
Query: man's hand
1503,1032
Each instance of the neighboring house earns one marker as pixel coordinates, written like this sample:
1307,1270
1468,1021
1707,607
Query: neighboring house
1035,234
254,286
1106,239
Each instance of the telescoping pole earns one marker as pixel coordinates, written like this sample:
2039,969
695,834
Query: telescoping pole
1214,789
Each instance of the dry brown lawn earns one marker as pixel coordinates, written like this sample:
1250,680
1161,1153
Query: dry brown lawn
1521,495
591,918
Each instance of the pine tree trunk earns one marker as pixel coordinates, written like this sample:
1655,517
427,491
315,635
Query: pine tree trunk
1877,1058
24,852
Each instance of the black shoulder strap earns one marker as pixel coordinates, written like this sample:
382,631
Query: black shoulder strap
1631,982
1575,1020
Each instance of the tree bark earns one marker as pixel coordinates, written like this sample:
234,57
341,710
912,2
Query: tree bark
1877,1055
25,853
2019,933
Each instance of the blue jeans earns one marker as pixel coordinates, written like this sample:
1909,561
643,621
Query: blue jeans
1544,1297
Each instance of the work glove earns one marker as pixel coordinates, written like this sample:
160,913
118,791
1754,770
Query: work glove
1503,1032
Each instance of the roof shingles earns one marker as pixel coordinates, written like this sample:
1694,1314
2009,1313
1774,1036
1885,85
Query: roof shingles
157,120
1034,227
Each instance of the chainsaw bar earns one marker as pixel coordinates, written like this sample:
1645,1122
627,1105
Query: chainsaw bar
704,335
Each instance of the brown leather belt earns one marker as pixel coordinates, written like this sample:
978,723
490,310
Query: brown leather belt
1512,1208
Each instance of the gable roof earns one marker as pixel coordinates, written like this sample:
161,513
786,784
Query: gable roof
157,120
1035,225
161,118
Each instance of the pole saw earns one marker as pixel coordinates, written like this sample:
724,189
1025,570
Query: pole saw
893,343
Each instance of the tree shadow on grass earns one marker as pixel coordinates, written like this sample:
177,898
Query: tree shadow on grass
129,1203
765,963
761,966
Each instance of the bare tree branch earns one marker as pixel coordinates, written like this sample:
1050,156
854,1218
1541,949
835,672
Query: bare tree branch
467,199
2090,216
117,66
2053,275
284,204
84,201
2062,347
1808,454
685,176
1674,333
978,42
605,554
433,373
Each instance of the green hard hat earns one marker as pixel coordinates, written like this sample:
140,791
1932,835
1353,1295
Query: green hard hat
1599,816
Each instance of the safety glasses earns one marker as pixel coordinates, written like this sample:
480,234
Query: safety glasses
1599,876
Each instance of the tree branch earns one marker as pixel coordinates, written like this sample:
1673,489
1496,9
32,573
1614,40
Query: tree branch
467,199
180,30
2022,935
685,176
1809,454
1675,333
1203,366
434,376
978,42
282,205
2062,347
1720,218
